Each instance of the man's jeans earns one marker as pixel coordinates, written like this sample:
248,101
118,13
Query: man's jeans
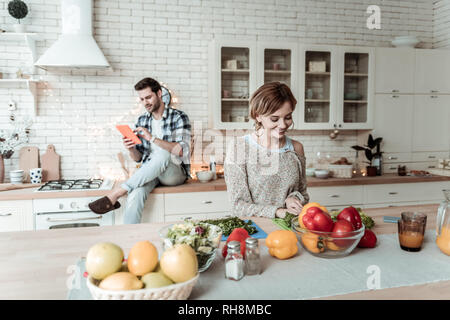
158,170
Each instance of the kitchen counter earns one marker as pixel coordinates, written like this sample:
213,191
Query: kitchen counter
218,185
38,264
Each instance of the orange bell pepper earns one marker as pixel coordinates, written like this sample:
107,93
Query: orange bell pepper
282,244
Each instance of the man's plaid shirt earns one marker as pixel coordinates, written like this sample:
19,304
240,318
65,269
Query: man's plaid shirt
175,128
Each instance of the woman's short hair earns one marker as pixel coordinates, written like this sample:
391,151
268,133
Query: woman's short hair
269,98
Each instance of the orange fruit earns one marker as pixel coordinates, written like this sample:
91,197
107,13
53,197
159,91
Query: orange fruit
143,258
305,208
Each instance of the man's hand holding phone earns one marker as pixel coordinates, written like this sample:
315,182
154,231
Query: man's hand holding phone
128,143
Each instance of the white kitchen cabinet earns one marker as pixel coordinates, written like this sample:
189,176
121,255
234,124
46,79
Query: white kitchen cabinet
393,122
431,123
340,96
197,216
16,215
419,192
432,71
317,99
233,75
196,202
394,72
335,196
356,91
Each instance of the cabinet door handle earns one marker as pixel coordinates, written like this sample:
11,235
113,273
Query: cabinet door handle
434,97
434,91
392,168
5,214
395,90
431,167
392,193
206,201
334,196
392,158
395,96
431,157
70,219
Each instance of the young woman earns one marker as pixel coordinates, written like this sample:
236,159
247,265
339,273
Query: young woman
265,170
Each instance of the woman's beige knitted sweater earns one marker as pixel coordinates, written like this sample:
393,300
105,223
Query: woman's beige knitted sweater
259,180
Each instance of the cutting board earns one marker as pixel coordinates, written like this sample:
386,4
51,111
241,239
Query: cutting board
28,159
50,164
12,186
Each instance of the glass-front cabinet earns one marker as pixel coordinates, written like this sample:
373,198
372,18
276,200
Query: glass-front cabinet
335,87
278,62
357,87
317,96
233,81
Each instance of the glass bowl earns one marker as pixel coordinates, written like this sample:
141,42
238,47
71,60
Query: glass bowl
323,244
205,253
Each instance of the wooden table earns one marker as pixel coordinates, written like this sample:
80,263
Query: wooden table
38,264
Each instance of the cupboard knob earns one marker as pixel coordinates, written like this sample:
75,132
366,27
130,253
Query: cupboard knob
207,201
395,96
395,90
392,193
334,196
431,157
392,158
434,91
5,214
340,126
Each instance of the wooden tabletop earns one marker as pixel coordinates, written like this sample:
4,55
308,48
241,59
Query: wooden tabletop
194,185
37,264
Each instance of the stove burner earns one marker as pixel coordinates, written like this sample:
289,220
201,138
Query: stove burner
79,184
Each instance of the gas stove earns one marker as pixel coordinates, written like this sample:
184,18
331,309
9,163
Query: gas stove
77,185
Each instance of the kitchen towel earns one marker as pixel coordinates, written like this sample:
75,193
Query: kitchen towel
305,276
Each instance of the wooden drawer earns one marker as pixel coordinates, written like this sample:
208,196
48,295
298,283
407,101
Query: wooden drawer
429,156
330,196
15,216
396,157
404,192
196,216
196,202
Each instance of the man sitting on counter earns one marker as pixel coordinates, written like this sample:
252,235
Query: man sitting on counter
164,153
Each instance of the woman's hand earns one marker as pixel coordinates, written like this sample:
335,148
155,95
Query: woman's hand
293,205
144,133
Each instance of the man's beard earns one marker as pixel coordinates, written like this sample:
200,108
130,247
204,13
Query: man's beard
155,107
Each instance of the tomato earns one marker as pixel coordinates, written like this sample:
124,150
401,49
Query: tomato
340,230
351,215
368,240
316,219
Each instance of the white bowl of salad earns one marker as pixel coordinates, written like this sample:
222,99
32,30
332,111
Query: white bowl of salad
203,237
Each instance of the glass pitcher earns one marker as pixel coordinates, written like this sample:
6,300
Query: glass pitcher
443,224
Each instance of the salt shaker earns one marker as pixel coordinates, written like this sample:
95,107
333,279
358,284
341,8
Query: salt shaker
212,166
234,262
252,257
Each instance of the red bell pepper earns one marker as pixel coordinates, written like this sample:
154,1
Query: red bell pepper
368,240
238,234
315,219
351,215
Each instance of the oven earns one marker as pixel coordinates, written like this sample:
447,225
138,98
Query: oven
58,213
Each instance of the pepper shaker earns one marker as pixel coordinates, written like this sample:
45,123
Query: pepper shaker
252,257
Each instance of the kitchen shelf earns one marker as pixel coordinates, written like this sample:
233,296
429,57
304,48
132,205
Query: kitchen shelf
234,100
31,85
356,74
236,70
355,101
287,72
317,100
317,73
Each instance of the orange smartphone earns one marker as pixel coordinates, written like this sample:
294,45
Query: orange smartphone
126,131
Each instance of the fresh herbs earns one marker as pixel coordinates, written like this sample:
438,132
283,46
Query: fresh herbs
285,222
229,224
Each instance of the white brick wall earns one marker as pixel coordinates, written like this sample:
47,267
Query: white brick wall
168,40
441,24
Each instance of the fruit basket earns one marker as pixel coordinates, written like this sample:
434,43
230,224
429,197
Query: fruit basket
177,291
341,170
323,244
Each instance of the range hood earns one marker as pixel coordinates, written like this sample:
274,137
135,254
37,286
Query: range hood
76,46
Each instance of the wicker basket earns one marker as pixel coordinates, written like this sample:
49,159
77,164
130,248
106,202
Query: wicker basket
341,170
177,291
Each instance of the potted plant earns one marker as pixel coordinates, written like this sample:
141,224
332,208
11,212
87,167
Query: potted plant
19,10
371,144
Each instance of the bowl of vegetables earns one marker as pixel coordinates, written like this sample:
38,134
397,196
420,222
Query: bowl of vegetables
327,244
204,238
